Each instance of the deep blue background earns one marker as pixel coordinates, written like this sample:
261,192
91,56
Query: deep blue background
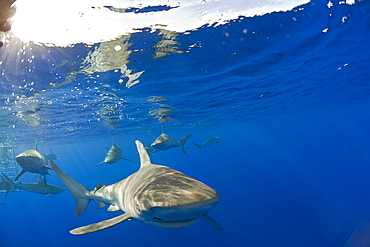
291,104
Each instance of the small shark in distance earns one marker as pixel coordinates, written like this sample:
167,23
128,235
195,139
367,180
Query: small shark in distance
209,142
6,184
32,161
113,155
50,156
39,187
165,142
155,195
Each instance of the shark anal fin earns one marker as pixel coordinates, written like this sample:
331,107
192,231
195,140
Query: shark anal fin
212,222
113,208
101,225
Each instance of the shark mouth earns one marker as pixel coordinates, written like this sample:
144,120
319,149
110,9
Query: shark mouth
178,224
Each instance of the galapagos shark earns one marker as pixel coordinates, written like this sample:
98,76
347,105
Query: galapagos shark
165,142
32,161
155,195
113,155
209,142
38,187
50,156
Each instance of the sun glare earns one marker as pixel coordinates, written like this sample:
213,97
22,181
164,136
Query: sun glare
62,23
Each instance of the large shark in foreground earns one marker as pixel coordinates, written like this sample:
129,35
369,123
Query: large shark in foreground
155,195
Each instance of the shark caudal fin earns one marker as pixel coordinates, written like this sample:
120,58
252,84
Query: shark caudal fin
198,146
144,156
10,184
101,225
182,143
79,191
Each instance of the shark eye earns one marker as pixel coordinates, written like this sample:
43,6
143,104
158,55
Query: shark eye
156,218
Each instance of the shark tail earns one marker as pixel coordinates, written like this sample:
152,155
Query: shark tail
80,192
198,146
182,143
10,182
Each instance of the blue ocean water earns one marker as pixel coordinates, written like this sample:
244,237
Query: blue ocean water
287,92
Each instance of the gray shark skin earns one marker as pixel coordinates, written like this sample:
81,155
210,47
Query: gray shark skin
113,155
6,184
155,195
165,142
32,161
209,142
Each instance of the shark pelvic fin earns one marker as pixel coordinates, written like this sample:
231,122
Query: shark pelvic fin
212,222
113,208
79,191
144,157
101,225
101,205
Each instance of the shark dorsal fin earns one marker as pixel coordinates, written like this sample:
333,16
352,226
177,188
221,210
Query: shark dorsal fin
144,157
98,186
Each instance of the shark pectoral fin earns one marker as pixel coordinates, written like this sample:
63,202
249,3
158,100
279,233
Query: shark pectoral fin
113,208
20,174
101,225
126,159
100,163
212,222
